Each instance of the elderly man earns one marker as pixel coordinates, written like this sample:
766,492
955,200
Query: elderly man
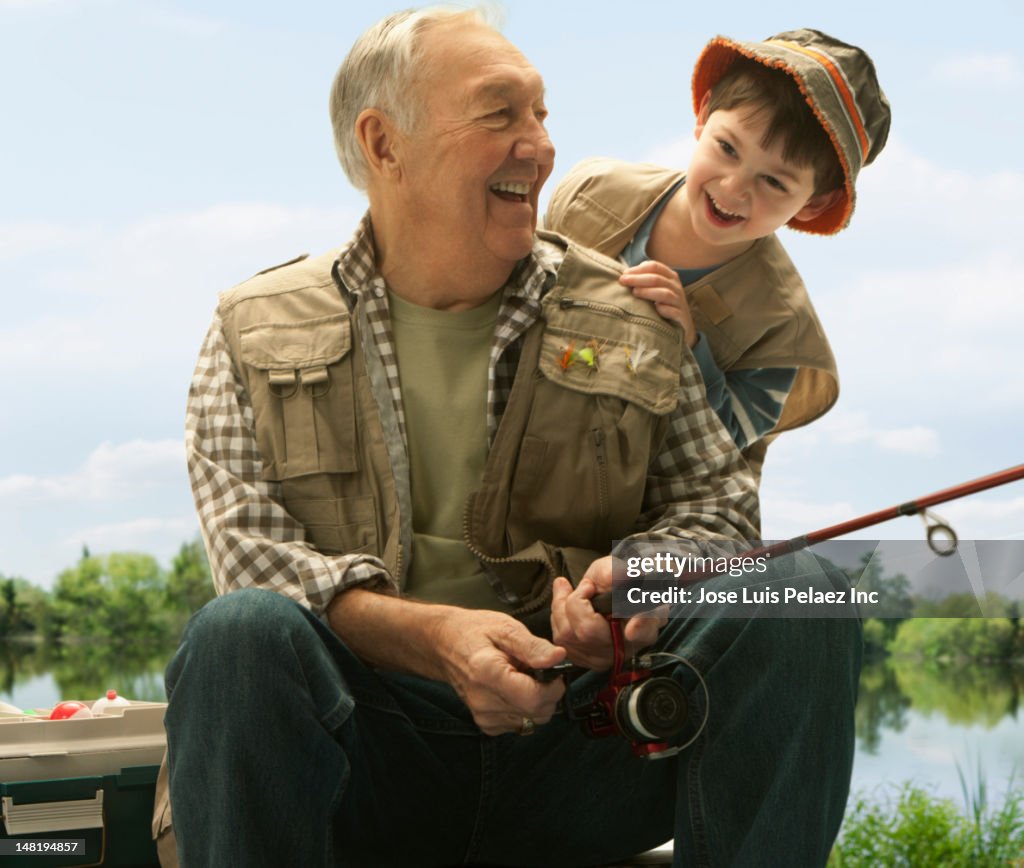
407,453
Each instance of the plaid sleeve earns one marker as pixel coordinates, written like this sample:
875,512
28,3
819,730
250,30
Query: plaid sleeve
251,539
698,486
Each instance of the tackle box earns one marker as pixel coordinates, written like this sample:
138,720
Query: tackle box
88,780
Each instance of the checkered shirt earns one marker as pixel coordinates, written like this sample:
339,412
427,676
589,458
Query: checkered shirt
698,485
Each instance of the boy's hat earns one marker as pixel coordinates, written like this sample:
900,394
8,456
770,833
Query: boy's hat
839,83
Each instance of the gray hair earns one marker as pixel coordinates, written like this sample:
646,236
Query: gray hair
378,72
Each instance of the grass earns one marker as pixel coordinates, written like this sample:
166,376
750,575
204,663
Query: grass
909,827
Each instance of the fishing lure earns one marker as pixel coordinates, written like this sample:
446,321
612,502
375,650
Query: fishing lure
568,356
635,358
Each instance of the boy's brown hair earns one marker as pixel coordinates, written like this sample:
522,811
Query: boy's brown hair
760,89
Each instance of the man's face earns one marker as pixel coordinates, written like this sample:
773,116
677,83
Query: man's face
476,161
739,191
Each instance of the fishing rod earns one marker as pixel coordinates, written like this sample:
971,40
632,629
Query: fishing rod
643,703
942,538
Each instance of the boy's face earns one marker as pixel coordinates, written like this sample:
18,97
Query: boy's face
739,191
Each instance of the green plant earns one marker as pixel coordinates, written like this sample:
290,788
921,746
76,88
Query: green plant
912,828
996,837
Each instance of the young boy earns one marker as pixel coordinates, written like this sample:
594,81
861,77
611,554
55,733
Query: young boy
783,127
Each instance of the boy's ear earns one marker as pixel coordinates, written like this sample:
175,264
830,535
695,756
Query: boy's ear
817,205
702,114
378,141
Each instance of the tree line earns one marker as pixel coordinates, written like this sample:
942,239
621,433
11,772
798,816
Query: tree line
122,596
129,596
940,631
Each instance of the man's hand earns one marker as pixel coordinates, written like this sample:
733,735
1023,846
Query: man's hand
479,652
483,655
660,284
585,634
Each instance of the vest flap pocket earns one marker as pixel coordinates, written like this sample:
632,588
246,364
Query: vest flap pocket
345,525
301,384
637,364
296,346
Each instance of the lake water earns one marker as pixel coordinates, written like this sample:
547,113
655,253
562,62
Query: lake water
914,723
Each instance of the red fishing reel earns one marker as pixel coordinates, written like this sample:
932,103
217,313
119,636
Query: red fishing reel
638,703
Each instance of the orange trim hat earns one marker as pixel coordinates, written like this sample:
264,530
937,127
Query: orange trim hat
839,83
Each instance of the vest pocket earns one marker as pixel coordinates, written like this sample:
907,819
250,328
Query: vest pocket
303,396
343,525
579,475
601,349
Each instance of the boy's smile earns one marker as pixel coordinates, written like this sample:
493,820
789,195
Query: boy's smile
719,215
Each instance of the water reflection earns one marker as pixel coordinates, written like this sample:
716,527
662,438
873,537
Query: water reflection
880,705
962,694
86,670
891,690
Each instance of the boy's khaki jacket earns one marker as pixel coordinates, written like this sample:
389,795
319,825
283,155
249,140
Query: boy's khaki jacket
754,311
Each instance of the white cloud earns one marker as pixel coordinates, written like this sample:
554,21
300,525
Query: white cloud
979,68
31,4
139,533
146,291
187,23
987,517
111,471
675,154
32,237
786,517
931,335
973,518
842,427
905,196
163,15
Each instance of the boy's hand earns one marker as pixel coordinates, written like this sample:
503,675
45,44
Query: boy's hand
660,285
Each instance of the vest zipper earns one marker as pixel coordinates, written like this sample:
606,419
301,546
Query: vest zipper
566,302
602,471
487,560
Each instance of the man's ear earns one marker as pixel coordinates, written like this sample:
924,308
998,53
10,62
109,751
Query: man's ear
702,114
378,141
817,205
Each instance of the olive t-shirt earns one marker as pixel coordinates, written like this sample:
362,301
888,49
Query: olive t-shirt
442,366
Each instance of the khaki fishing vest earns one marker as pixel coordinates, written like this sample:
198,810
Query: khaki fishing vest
566,473
754,310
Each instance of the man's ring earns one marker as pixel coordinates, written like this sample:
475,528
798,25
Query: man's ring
527,726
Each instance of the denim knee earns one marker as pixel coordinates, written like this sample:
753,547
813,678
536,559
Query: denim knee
245,634
243,617
255,646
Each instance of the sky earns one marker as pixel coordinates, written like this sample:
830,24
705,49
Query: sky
155,153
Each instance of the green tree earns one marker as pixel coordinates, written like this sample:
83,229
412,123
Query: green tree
23,607
946,639
895,603
117,597
965,605
189,584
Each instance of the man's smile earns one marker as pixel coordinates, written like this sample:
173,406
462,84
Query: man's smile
511,191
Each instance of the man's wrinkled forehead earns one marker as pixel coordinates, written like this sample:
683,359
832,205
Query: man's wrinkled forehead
486,61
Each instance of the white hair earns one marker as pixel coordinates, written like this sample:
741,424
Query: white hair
378,73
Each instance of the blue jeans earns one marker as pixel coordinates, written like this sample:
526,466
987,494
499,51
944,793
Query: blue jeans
285,750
